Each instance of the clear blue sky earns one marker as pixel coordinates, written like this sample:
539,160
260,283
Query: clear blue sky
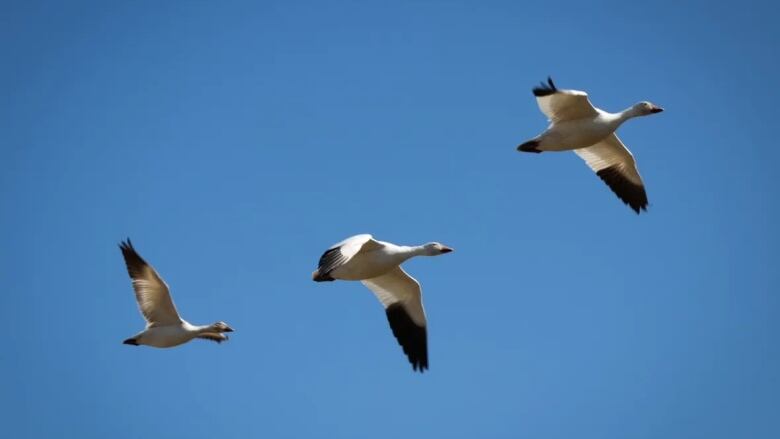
235,142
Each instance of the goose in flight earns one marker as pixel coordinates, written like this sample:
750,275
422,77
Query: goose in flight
164,327
377,265
575,124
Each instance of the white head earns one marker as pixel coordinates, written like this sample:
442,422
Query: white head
644,108
435,249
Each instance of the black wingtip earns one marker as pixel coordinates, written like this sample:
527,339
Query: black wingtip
412,338
329,261
130,341
126,244
128,251
530,146
628,192
316,276
545,89
133,261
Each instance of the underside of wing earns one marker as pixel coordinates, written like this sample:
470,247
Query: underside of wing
401,296
412,337
151,292
615,165
561,105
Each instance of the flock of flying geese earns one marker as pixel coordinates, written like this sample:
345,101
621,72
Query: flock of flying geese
575,124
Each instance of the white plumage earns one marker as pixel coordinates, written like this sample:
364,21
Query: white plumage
164,327
575,124
377,265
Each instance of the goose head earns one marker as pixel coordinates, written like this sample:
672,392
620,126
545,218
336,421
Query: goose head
645,108
220,327
435,249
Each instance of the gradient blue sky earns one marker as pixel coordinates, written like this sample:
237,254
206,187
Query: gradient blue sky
235,142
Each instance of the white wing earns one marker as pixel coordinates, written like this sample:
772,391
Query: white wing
562,105
401,296
341,253
613,162
151,292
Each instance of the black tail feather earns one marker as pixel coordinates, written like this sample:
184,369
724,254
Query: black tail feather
530,146
317,276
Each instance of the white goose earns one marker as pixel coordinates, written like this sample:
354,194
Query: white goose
577,125
377,265
164,327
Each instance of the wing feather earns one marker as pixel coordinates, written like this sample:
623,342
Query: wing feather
561,105
151,292
341,253
401,296
615,165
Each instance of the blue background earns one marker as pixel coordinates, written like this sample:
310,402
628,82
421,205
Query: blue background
235,142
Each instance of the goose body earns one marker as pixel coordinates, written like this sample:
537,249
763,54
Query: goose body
164,327
579,133
576,125
174,335
377,265
372,259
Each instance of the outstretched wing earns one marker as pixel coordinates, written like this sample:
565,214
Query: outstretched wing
614,164
341,253
561,105
402,298
151,292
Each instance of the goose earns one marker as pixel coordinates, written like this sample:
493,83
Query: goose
164,327
575,124
377,264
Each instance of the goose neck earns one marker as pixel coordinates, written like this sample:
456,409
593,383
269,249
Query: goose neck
626,114
198,329
413,250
